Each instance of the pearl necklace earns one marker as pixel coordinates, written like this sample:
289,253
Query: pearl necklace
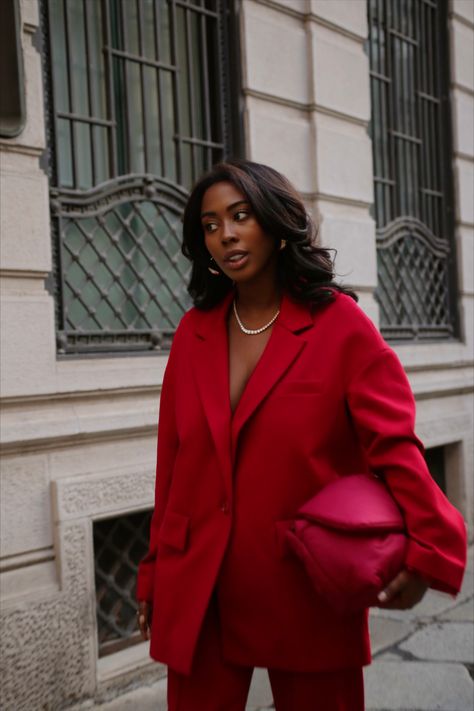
253,331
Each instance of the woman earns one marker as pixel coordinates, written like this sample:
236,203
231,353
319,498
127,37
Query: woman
276,384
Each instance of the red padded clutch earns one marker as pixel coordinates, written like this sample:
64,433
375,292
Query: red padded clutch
351,540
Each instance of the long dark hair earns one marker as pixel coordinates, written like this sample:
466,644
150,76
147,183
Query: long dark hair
305,270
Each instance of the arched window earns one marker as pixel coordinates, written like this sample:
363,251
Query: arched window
411,138
139,104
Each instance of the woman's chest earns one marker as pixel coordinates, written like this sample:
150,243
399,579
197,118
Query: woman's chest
245,351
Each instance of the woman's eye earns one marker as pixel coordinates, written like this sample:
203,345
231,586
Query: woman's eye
241,215
209,227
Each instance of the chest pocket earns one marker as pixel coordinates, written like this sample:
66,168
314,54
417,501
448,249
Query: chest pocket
299,387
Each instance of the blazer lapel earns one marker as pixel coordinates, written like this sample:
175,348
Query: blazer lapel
211,370
282,349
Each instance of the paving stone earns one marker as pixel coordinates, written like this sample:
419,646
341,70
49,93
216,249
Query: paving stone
443,641
462,613
418,686
385,632
147,698
260,695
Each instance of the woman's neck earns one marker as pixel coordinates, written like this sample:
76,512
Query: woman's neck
256,298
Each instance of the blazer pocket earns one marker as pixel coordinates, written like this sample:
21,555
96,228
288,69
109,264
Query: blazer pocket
299,387
174,530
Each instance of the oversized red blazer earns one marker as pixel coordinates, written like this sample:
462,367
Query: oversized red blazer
327,398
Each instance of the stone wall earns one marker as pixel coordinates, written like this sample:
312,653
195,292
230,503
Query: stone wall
78,434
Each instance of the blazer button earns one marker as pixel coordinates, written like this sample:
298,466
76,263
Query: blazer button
225,507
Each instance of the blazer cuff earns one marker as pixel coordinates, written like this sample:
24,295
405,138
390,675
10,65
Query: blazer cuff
442,572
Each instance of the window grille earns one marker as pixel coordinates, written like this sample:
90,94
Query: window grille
119,545
139,105
410,127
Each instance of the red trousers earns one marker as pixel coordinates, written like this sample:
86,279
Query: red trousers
216,685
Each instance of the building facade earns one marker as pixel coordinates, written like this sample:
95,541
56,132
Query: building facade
114,108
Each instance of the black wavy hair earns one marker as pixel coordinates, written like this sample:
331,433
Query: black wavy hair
304,270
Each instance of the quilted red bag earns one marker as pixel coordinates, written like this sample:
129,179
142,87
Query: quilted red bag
351,540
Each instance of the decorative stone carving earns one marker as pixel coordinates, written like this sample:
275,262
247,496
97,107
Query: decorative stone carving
47,661
96,494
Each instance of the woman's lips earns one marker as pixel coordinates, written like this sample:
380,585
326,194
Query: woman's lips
236,261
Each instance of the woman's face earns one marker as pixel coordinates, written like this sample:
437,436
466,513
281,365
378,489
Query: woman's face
232,235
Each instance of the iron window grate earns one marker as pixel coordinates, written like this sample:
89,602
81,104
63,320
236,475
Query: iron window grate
141,99
410,127
119,545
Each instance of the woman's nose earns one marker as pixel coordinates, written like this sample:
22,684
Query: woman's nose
227,232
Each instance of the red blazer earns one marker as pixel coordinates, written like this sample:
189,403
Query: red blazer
327,398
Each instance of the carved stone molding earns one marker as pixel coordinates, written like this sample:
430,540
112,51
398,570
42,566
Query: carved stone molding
94,495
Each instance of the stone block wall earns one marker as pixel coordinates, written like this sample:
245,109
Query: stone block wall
78,434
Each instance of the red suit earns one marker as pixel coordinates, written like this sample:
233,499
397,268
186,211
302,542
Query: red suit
327,398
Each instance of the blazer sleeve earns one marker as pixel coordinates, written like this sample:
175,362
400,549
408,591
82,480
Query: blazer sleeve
382,407
167,448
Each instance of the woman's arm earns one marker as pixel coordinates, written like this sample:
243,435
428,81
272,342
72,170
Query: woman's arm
382,407
167,448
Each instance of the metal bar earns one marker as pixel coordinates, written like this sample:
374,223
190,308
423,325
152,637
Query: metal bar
191,97
195,8
381,77
176,80
85,119
109,79
401,35
156,35
144,94
126,84
70,92
123,54
206,93
92,112
405,136
201,142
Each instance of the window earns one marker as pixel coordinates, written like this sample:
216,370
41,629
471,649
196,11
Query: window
410,129
119,545
12,99
140,104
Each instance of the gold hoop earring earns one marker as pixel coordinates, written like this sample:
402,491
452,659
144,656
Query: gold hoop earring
282,244
214,272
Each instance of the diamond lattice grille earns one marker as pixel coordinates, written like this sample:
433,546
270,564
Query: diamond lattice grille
413,285
122,272
119,545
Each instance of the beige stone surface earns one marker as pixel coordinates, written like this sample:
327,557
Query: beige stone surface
464,182
465,258
464,8
281,136
27,345
25,521
344,159
463,121
462,53
351,16
351,236
341,73
276,53
24,214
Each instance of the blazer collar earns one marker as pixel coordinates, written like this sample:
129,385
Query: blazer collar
294,316
211,371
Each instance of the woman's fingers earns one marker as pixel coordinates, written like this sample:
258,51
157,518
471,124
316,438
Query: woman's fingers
393,588
403,592
144,619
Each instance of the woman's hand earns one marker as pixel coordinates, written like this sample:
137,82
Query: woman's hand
144,619
403,592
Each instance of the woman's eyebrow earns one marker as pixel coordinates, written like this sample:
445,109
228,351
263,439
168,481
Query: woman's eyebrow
228,208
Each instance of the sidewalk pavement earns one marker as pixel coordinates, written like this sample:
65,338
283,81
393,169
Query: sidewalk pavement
423,660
